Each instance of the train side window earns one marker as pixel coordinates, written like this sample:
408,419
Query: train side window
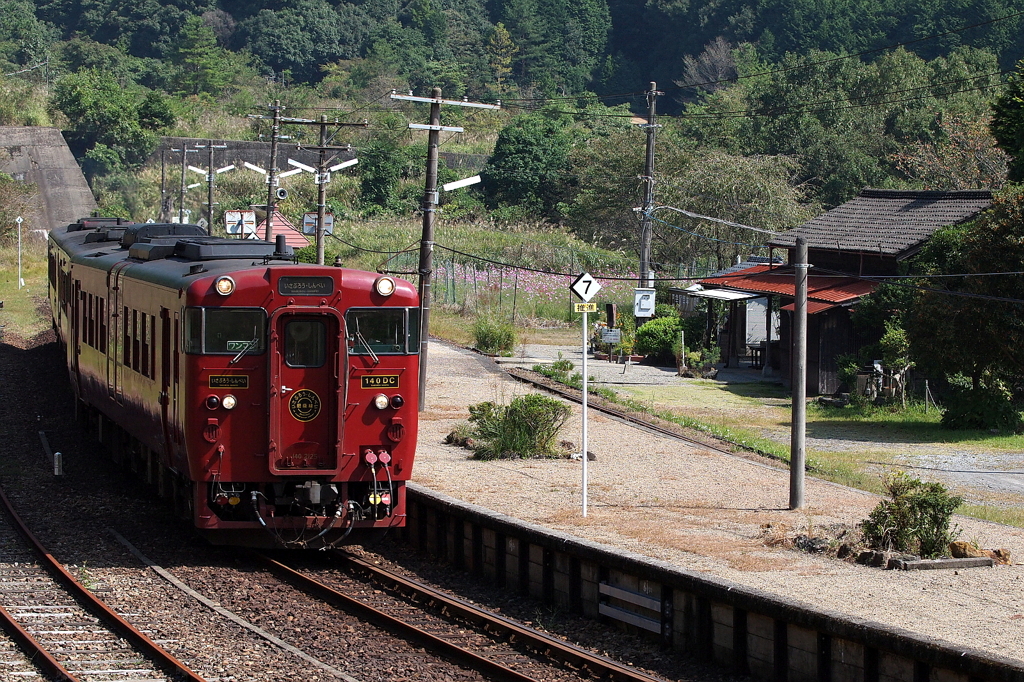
194,330
136,339
126,339
144,339
225,330
101,313
305,343
380,330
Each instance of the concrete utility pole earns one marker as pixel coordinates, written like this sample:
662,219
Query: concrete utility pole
430,200
646,217
797,451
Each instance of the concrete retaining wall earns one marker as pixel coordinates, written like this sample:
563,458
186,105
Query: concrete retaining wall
41,156
713,620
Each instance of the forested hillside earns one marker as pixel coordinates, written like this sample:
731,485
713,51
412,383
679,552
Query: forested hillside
771,110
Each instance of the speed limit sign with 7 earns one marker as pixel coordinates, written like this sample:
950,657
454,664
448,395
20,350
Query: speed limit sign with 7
585,286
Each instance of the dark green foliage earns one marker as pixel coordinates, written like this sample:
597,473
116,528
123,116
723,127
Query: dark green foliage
989,406
112,126
1008,121
916,518
530,165
980,338
24,40
204,67
494,336
301,36
655,338
526,427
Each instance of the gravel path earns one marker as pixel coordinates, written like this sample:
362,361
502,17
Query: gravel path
707,512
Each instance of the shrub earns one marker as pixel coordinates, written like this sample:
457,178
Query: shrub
492,336
526,427
987,407
657,337
915,518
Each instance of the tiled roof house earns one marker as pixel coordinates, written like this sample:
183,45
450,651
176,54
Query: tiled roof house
868,235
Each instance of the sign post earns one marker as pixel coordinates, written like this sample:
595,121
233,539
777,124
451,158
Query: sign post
585,287
21,282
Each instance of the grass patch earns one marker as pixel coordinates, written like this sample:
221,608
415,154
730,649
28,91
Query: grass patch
1010,516
20,314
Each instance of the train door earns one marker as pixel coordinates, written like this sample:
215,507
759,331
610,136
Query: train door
305,429
165,375
75,339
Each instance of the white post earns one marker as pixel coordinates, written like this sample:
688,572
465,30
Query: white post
21,282
584,458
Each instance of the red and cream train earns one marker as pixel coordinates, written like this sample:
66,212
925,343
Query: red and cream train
274,400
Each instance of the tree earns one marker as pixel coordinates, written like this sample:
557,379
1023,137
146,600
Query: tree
962,156
1008,122
118,123
529,167
204,66
968,326
500,51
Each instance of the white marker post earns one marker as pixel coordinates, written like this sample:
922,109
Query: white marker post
21,282
585,287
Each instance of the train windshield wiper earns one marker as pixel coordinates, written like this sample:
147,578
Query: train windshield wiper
247,347
360,339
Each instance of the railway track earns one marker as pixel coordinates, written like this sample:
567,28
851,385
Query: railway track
497,647
58,629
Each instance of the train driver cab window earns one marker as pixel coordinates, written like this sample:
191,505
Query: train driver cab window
225,331
382,330
305,343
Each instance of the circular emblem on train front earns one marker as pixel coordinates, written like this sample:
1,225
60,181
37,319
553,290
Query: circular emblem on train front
304,405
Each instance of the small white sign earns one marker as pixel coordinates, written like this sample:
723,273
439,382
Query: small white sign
611,336
585,286
240,222
461,183
643,302
309,223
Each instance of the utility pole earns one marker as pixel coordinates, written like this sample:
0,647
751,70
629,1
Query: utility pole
797,451
430,200
163,186
181,192
210,180
272,172
646,216
322,175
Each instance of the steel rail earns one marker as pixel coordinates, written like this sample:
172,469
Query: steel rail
34,650
389,623
564,652
162,658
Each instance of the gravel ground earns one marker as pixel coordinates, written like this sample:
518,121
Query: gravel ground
706,511
73,515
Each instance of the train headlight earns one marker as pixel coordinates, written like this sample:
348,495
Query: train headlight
224,285
380,401
385,286
229,402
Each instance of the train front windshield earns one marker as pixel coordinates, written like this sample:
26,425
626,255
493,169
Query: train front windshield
217,331
383,331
